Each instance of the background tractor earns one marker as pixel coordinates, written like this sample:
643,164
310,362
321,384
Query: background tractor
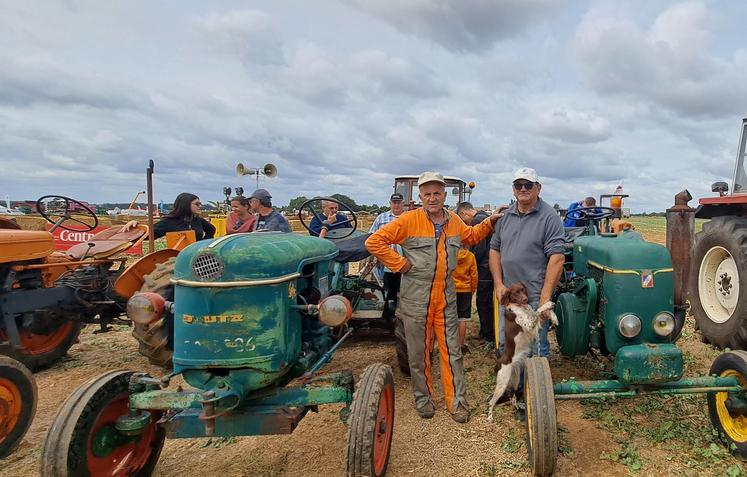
17,403
46,296
255,318
456,191
718,278
618,298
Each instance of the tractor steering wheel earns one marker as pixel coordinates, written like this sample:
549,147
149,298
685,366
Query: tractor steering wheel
594,214
337,233
58,209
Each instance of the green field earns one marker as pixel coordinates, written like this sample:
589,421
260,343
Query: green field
654,229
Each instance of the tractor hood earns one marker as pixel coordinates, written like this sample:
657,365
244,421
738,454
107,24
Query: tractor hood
623,253
251,256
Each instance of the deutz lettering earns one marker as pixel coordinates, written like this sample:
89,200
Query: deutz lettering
212,319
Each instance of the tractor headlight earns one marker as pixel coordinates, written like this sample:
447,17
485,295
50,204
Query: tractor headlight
663,324
143,308
629,326
335,310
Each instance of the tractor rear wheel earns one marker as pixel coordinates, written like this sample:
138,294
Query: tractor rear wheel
84,441
371,423
156,339
718,295
43,350
400,345
541,422
18,398
731,426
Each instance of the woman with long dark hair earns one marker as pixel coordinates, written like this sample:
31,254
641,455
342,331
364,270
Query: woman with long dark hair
184,216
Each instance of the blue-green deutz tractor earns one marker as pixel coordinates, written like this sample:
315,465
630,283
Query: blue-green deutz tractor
255,318
624,297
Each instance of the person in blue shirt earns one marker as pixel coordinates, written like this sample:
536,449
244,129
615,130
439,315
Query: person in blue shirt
576,221
268,219
334,219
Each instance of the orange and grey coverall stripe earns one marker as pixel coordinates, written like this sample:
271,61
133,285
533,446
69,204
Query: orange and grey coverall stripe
427,296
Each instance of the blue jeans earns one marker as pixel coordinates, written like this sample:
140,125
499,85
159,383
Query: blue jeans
540,347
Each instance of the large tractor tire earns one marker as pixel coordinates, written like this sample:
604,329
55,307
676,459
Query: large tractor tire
18,398
371,423
156,339
42,350
83,439
730,423
400,345
718,284
541,422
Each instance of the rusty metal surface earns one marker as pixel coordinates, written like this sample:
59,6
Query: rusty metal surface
680,239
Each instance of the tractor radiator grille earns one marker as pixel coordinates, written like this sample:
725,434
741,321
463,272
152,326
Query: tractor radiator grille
207,266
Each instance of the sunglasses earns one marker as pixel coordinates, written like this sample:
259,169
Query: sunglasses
524,185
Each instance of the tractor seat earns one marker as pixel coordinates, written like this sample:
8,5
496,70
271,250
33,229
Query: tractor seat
107,243
352,249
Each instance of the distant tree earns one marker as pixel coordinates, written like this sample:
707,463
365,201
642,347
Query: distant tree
295,203
347,201
26,209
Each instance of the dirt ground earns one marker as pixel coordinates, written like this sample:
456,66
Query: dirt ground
602,438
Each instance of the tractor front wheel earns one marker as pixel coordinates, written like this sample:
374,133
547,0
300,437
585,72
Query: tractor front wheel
541,422
400,344
371,423
718,298
83,439
18,398
730,423
42,350
156,339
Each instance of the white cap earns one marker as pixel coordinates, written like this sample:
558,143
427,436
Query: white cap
426,177
526,173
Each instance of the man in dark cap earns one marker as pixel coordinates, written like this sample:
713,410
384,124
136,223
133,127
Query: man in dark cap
268,218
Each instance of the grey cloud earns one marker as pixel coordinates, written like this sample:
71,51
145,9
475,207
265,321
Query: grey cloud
461,25
570,125
667,65
249,34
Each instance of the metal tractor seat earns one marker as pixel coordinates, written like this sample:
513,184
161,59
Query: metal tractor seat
107,243
352,249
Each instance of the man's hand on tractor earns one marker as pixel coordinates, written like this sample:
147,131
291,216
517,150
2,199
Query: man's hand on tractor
497,214
128,226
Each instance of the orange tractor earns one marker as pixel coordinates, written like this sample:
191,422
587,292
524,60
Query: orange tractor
17,403
46,296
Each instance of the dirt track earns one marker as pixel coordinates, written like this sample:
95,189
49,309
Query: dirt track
437,447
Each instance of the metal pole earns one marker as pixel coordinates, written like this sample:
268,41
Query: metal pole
151,233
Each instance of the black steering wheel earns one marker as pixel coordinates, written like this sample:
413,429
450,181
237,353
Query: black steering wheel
591,213
58,209
337,233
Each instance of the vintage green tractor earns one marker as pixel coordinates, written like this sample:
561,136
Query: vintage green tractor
619,298
255,318
17,403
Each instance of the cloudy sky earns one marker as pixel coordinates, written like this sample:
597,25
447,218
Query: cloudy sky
342,96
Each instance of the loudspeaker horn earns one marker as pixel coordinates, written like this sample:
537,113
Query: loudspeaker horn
244,171
270,170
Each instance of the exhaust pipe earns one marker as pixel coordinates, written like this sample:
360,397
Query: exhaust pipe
680,239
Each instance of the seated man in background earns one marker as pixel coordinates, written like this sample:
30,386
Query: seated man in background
576,220
334,219
268,219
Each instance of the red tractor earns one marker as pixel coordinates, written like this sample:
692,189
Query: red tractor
718,277
456,191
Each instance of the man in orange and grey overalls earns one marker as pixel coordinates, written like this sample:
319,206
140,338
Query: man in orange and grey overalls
430,238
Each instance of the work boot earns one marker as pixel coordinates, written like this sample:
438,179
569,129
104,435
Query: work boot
426,411
461,415
465,349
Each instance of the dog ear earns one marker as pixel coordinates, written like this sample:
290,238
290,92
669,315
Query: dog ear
506,299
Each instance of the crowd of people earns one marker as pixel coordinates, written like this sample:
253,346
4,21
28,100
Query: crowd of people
433,260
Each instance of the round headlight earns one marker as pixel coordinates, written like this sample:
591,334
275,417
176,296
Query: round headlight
143,308
335,310
663,324
629,326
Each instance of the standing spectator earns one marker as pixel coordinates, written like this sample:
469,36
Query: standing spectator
465,281
240,219
485,289
333,219
389,278
430,237
268,219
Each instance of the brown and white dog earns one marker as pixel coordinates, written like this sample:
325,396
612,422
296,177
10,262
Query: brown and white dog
521,327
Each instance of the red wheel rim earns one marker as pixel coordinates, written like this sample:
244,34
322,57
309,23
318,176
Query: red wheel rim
126,459
11,405
383,429
41,344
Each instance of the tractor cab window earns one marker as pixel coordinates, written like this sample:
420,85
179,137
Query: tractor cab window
452,194
403,187
740,177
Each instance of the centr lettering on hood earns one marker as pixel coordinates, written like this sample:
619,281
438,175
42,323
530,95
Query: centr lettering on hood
70,236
